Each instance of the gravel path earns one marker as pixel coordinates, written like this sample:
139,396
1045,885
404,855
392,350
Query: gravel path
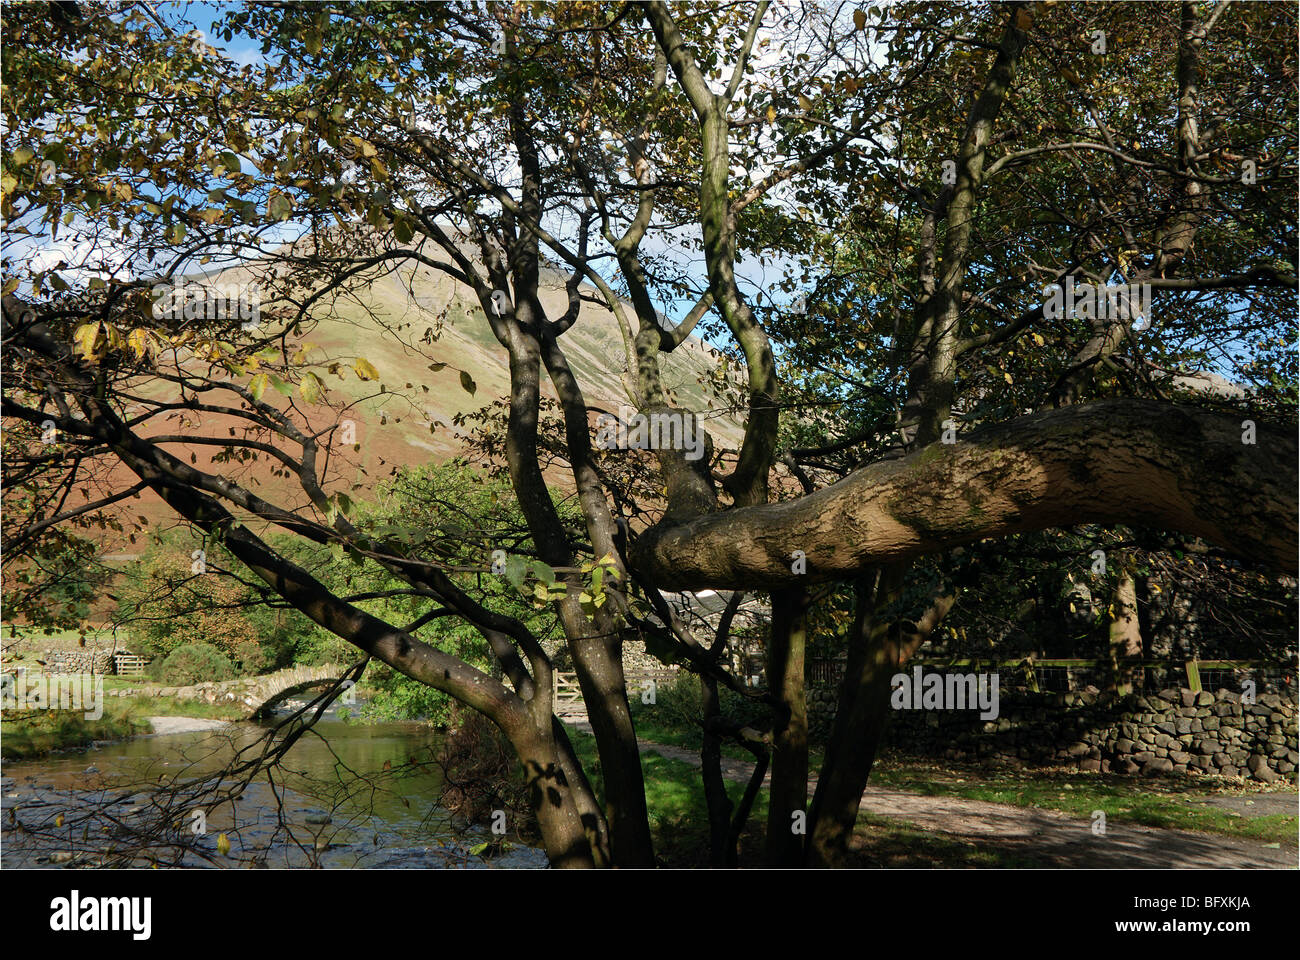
165,725
1047,837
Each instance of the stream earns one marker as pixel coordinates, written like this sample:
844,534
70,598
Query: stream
347,795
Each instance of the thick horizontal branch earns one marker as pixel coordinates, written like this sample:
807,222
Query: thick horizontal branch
1147,464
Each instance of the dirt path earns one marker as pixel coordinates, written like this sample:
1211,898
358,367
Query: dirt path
1046,837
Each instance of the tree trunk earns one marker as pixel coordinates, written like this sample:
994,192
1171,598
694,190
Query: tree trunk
788,794
1125,632
715,788
860,720
564,836
600,675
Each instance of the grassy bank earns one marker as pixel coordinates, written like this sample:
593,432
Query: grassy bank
36,733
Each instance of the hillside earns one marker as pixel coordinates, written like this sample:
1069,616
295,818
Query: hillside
424,333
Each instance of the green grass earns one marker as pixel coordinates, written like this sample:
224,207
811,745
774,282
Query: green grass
679,821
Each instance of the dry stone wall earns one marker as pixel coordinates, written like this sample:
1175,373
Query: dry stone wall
1176,731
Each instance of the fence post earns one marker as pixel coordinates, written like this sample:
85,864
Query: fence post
1193,675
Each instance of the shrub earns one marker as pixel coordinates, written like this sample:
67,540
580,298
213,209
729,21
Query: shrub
195,663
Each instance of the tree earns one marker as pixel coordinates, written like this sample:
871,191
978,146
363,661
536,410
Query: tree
922,172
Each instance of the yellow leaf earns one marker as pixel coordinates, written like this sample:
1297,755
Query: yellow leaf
1007,377
310,387
771,114
257,386
365,369
86,336
1038,339
223,844
805,104
140,341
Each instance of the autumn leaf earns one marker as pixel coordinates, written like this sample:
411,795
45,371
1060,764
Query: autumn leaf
223,844
85,337
310,387
805,104
140,341
859,20
365,369
257,386
279,207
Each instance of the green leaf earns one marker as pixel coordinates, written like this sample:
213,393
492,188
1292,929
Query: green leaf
468,383
543,572
280,386
515,571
